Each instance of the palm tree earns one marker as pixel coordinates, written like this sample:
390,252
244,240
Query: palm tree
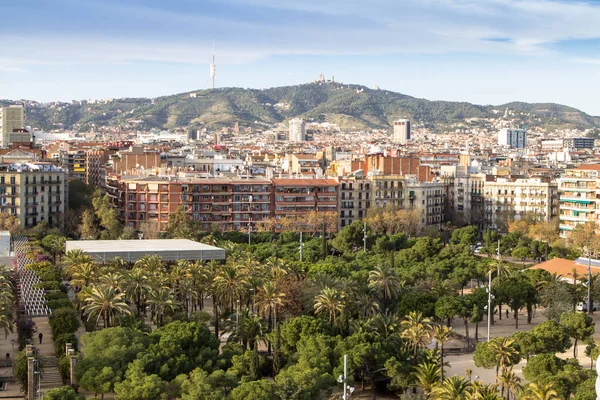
163,302
152,264
330,301
510,382
6,324
541,391
479,391
365,305
416,330
112,279
427,375
441,333
230,285
105,302
75,258
504,351
269,296
385,280
453,388
83,275
137,287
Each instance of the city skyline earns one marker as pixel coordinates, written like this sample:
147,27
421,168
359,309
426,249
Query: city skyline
486,52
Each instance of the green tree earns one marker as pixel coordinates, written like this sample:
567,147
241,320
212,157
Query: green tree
446,308
138,385
257,390
536,391
427,376
579,326
499,353
88,228
55,245
453,388
517,292
63,393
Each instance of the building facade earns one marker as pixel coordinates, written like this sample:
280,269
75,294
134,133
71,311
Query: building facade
222,204
297,132
11,118
401,131
508,200
513,138
579,198
354,200
34,192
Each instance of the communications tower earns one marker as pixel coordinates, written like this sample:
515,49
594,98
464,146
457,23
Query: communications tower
213,67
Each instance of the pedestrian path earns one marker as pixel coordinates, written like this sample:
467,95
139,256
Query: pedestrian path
51,375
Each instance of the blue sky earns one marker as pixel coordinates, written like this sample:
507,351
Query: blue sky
482,51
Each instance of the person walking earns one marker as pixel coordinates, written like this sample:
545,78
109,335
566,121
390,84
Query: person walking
41,336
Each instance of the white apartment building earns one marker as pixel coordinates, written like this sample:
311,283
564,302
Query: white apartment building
401,131
513,138
297,130
579,203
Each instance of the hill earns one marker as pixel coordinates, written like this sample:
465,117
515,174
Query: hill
351,106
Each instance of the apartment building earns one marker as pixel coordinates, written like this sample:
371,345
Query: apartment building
75,163
579,197
221,203
408,192
34,192
510,199
95,161
297,198
354,200
303,164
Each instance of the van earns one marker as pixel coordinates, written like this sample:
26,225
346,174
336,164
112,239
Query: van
582,306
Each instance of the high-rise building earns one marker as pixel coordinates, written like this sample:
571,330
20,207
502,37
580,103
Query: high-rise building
401,131
11,118
297,130
34,192
513,138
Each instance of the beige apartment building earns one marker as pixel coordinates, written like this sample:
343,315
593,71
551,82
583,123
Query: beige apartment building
510,199
34,192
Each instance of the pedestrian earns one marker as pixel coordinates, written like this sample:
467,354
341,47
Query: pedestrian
507,313
41,336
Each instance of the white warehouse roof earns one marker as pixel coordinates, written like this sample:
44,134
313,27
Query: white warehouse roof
133,250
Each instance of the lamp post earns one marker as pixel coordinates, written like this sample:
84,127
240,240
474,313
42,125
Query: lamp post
249,233
343,379
489,306
365,237
237,319
590,306
12,343
301,245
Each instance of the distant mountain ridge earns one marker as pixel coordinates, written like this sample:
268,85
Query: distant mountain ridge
350,106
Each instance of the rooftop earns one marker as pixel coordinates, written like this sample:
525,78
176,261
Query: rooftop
133,250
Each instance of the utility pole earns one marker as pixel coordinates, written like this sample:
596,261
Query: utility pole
489,321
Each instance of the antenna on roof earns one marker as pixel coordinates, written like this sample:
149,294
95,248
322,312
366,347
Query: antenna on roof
213,67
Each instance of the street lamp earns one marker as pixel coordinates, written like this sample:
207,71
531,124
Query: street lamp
343,379
237,319
12,343
365,237
301,245
253,298
590,306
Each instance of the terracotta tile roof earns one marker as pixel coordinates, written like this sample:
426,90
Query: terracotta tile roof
305,182
590,167
563,267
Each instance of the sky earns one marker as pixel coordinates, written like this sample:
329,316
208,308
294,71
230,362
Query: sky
481,51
